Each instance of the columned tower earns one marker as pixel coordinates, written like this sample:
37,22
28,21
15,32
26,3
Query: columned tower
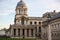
21,8
21,12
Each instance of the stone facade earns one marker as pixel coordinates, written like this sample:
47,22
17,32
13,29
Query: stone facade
45,28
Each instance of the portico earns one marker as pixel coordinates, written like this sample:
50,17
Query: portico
23,32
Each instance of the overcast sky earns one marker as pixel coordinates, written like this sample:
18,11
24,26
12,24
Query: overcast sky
35,8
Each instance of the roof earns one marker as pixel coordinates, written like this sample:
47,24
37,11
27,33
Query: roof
21,3
55,16
50,14
38,18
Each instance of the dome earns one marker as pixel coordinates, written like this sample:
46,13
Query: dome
21,3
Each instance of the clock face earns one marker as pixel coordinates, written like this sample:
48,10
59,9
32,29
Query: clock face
22,11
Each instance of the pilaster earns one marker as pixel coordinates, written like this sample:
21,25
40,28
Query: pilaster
29,33
25,33
21,33
33,32
49,32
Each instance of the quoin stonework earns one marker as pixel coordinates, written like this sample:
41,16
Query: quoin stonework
46,27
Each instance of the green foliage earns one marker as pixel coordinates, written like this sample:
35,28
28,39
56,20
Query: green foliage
15,39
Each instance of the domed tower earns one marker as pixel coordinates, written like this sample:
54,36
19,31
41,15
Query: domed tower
21,13
21,8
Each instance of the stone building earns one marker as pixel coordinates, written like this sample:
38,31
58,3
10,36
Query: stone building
46,27
2,32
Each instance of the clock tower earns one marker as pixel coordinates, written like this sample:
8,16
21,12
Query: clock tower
21,13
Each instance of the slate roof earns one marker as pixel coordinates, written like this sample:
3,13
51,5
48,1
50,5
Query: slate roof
55,16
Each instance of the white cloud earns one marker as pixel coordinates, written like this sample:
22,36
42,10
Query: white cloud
4,26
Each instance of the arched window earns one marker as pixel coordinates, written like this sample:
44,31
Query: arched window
30,22
39,22
35,22
22,21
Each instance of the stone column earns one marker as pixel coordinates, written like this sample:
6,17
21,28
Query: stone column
41,32
21,33
34,33
25,22
30,33
20,22
37,29
49,32
41,29
12,32
25,33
